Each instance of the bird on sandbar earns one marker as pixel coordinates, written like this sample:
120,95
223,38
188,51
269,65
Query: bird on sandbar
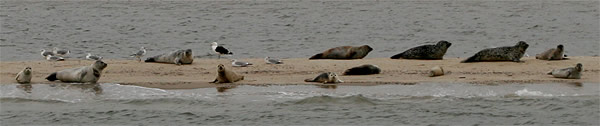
93,57
271,60
236,63
220,50
139,54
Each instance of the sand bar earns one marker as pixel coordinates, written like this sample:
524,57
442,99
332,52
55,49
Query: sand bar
294,71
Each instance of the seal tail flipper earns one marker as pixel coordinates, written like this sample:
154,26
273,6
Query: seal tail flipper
151,59
308,80
215,81
549,73
318,56
52,77
397,56
469,60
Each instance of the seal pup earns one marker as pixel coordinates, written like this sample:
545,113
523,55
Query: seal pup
327,77
177,57
552,54
363,70
220,50
139,54
270,60
61,52
236,63
226,76
506,53
568,73
432,52
54,58
84,74
24,77
46,53
344,52
93,57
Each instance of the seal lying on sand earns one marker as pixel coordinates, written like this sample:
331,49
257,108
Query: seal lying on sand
344,52
552,54
327,77
506,53
24,76
80,75
363,70
226,76
568,73
433,52
176,57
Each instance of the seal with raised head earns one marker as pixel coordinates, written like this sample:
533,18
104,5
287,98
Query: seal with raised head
552,54
344,52
176,57
432,52
506,53
568,73
24,76
363,70
327,77
226,76
84,74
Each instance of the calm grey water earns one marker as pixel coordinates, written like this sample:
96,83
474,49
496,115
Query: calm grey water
420,104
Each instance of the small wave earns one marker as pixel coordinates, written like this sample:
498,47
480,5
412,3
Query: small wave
526,92
324,99
22,100
158,101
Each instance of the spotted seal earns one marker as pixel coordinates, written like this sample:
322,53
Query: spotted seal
568,73
84,74
433,52
178,57
506,53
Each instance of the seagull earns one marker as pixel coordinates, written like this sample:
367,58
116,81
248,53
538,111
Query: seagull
54,58
46,53
61,52
270,60
220,50
93,57
139,54
236,63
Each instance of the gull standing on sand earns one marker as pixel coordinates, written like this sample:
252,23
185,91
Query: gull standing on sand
46,53
220,50
236,63
61,52
139,54
270,60
54,58
93,57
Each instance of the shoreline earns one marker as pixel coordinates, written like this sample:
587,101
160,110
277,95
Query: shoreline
295,70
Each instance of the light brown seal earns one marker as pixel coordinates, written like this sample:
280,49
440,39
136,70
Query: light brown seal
552,54
226,76
24,77
344,52
568,73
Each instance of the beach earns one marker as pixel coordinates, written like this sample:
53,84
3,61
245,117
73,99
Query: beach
295,70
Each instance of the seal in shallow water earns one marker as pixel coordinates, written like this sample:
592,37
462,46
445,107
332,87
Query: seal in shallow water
80,75
433,52
552,54
327,77
568,73
506,53
176,57
344,52
226,76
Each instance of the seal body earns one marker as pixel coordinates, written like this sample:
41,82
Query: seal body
432,52
178,57
85,74
568,73
363,70
24,77
226,76
506,53
344,52
552,54
327,77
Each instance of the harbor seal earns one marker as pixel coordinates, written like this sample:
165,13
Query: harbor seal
552,54
363,70
568,73
506,53
344,52
327,77
24,77
81,74
432,52
176,57
226,76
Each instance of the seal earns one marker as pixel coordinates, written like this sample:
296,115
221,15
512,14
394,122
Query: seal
327,77
226,76
363,70
344,52
24,77
432,52
568,73
178,57
552,54
506,53
84,74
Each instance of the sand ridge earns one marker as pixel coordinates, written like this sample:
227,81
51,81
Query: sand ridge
294,71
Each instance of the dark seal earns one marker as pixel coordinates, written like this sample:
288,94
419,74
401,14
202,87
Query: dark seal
344,52
363,70
431,52
506,53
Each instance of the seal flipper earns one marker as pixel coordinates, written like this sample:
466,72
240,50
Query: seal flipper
470,59
318,56
309,80
151,59
52,77
397,56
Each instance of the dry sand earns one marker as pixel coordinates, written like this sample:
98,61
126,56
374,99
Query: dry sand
294,71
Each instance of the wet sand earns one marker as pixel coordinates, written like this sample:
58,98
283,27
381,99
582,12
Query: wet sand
295,70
